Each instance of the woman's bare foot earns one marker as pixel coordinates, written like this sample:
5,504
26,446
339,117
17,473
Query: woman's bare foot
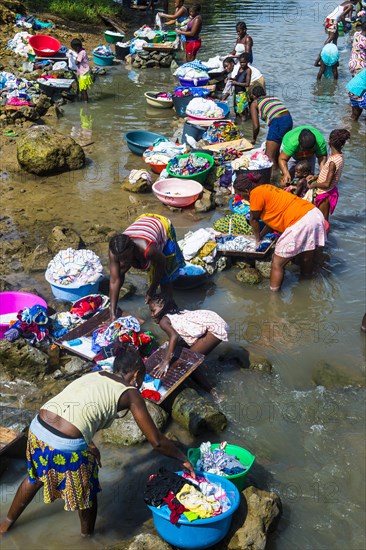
5,525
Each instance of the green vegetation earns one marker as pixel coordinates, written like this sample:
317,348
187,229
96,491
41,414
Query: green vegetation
85,11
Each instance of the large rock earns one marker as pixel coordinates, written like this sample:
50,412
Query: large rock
144,541
257,362
264,268
62,238
249,276
140,186
197,414
205,203
336,376
125,431
263,510
38,260
42,151
21,360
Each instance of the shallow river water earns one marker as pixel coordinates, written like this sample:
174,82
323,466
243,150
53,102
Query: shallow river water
308,439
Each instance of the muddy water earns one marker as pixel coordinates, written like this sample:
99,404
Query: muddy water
308,439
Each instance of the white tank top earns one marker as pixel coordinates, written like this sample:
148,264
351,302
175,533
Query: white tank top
336,14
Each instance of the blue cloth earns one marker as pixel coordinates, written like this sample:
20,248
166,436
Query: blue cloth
196,64
330,55
359,103
279,127
196,92
357,86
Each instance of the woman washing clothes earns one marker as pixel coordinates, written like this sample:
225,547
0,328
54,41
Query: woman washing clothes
180,18
244,42
202,330
275,114
61,454
192,33
301,224
357,60
150,244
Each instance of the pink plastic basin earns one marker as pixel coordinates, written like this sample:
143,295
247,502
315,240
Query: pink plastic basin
44,45
177,192
13,302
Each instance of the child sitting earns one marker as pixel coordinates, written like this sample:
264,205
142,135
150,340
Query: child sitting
83,69
323,191
299,185
202,330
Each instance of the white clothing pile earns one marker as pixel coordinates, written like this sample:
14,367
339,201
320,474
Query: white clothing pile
71,266
199,106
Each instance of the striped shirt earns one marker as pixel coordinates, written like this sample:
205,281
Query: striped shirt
270,108
149,229
339,162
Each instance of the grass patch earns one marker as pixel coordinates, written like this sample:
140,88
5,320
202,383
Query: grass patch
83,11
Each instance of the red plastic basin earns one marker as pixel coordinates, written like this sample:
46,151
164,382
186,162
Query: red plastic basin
44,45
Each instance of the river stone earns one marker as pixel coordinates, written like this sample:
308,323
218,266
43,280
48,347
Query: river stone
62,238
152,63
197,414
96,234
205,203
38,260
249,275
166,61
21,360
258,514
75,364
264,268
125,431
336,376
140,186
144,541
5,285
42,151
257,362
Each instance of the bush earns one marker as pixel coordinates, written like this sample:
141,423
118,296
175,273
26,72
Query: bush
86,11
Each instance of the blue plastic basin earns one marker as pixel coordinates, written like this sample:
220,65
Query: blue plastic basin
225,107
139,140
201,533
72,292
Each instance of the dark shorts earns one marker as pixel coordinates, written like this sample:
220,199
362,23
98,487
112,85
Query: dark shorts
279,127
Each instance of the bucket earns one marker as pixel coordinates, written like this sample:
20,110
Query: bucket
103,60
201,533
12,302
112,37
180,104
72,292
192,130
244,456
122,51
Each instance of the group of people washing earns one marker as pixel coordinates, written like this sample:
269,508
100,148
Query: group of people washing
61,455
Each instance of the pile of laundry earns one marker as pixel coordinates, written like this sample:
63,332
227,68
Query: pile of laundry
194,498
231,243
193,164
103,50
199,248
221,131
124,329
217,461
255,161
19,44
74,267
194,91
31,22
228,154
17,91
163,152
193,71
146,32
202,107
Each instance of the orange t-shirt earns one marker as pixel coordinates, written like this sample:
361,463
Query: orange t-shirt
279,209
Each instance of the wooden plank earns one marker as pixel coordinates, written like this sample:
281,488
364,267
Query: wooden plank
183,364
159,48
113,23
240,144
9,438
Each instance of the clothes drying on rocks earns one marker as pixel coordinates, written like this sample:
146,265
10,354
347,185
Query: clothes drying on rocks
19,44
136,175
199,106
74,267
218,461
188,165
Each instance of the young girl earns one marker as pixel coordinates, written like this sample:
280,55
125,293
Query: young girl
324,192
202,330
241,82
83,69
229,65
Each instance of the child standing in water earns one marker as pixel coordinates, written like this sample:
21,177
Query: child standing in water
83,69
241,82
324,191
202,330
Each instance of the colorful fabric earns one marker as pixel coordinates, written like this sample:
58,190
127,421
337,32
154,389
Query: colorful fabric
153,395
279,128
89,305
359,102
270,107
192,46
195,501
85,81
192,325
241,102
72,476
306,234
291,147
236,224
357,60
278,209
332,195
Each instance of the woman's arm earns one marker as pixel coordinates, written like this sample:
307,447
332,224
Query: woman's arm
157,440
195,29
255,120
182,11
163,366
282,162
328,182
254,222
115,283
158,259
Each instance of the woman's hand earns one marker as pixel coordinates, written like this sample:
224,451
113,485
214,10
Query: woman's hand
188,466
161,369
285,179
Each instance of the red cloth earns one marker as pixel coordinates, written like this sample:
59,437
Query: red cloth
175,507
151,394
193,46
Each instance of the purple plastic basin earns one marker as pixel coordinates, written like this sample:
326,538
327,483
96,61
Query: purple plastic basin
13,302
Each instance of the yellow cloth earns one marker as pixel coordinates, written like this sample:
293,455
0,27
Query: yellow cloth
207,249
196,502
85,81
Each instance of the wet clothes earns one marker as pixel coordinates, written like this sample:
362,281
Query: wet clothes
160,485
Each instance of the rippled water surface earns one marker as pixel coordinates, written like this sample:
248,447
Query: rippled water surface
308,439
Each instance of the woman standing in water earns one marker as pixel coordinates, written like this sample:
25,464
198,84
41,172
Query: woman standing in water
192,34
244,42
61,455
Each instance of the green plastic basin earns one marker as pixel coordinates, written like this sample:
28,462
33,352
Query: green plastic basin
199,176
